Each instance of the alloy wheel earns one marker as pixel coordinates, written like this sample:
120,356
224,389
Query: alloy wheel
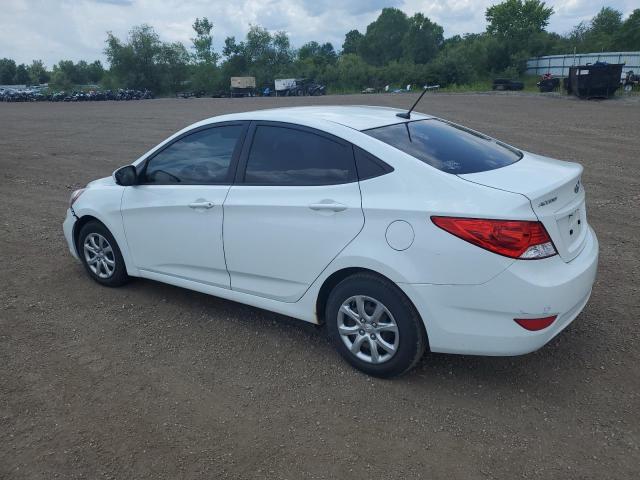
99,255
368,329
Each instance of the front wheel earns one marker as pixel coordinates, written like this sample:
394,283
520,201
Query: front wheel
374,326
101,255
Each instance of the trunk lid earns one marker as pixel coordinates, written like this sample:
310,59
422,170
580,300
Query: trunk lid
555,191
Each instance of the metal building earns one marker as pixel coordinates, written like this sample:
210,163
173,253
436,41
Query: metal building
558,65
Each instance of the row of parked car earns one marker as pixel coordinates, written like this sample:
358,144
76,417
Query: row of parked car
38,95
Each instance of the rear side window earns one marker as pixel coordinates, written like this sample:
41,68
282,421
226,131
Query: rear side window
287,156
369,166
447,147
202,157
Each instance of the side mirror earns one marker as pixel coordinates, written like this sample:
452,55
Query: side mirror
126,176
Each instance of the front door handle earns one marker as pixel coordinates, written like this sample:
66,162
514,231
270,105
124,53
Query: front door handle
332,206
201,205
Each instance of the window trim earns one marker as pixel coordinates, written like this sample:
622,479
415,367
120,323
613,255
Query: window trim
233,165
248,145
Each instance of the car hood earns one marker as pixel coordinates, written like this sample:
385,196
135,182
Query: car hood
102,182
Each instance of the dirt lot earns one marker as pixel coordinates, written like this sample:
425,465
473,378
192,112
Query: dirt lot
151,381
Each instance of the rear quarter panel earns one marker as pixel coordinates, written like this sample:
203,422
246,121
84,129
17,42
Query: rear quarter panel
414,192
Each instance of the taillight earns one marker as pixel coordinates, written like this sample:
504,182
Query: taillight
512,238
75,195
535,324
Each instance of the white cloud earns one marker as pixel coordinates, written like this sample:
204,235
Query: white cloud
76,29
467,16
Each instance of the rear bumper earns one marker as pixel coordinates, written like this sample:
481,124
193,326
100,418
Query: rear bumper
478,319
67,228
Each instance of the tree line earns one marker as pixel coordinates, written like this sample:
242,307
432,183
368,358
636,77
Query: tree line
394,49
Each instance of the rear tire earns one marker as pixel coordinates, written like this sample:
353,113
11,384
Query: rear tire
374,326
101,256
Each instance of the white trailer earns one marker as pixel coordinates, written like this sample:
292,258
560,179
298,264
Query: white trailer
243,86
284,83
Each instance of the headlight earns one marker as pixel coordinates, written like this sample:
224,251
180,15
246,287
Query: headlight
75,195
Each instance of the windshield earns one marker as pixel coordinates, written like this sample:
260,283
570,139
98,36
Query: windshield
447,147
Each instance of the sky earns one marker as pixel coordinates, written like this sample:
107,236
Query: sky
53,30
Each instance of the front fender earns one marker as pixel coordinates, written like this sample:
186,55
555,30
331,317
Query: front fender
103,204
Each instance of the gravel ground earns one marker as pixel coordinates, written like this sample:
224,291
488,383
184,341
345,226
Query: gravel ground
151,381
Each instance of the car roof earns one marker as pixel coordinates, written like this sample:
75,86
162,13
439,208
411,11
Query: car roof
358,117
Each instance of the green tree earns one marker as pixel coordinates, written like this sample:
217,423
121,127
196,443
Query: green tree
146,48
123,61
205,78
449,69
203,42
578,34
257,45
607,22
232,48
204,74
313,59
308,50
604,26
235,63
173,66
382,42
144,61
320,55
95,71
284,54
352,42
38,73
628,37
350,71
64,75
7,71
262,55
464,59
423,39
68,73
600,34
514,24
516,19
22,75
80,72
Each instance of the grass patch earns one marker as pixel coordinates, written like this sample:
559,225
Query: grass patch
479,86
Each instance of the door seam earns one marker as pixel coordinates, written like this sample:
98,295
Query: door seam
224,252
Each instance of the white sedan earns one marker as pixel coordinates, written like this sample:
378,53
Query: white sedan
400,232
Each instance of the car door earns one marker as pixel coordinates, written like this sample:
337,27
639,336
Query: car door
295,205
173,217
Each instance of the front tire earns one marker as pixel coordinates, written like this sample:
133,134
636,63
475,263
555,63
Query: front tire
374,326
101,256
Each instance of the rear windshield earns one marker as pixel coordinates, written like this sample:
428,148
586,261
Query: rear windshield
447,147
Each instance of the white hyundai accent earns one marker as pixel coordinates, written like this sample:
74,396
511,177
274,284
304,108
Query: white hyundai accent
400,232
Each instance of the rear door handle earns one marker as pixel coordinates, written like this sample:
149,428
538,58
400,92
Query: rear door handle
201,205
333,206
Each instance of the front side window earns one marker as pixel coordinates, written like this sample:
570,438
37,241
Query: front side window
287,156
447,147
202,157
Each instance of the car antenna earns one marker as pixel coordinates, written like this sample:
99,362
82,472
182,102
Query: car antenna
407,115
